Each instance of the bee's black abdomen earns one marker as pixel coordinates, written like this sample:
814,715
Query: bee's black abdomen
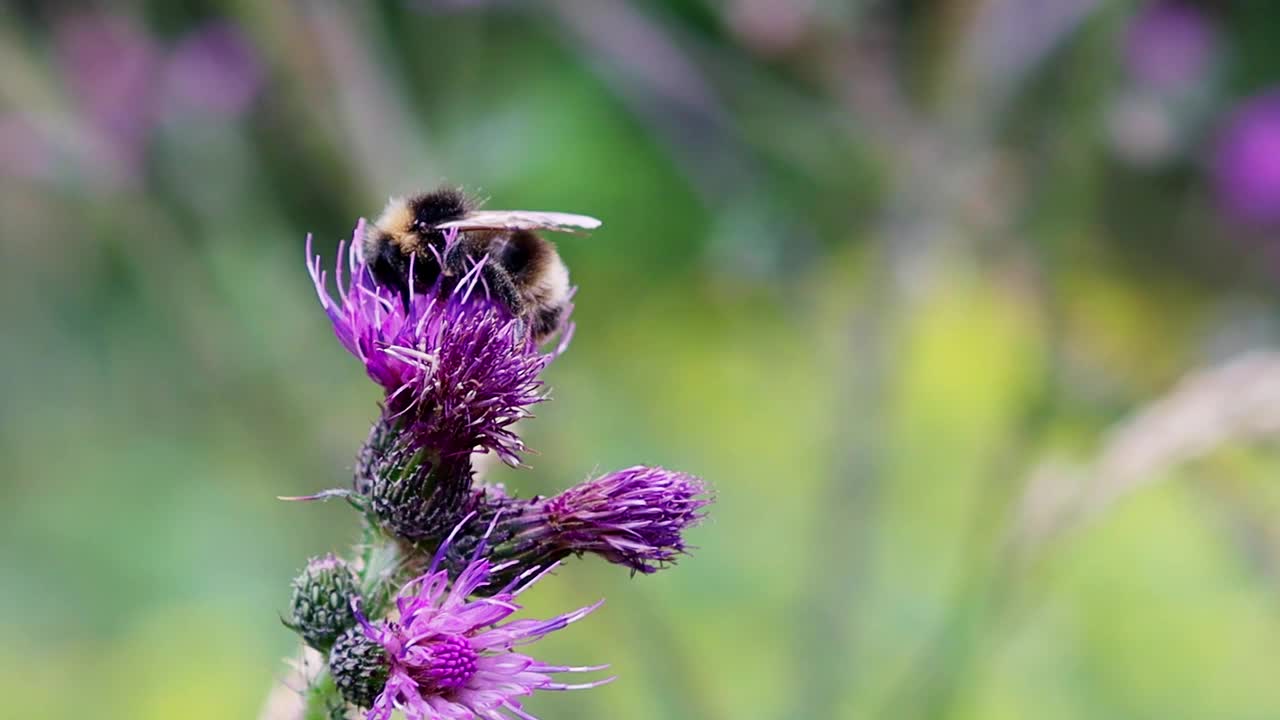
525,254
547,321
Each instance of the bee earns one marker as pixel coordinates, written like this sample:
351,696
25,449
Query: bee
522,269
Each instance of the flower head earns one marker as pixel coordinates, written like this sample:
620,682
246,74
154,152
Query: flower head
111,65
321,606
215,70
1169,46
1246,163
450,658
415,492
634,517
359,668
458,368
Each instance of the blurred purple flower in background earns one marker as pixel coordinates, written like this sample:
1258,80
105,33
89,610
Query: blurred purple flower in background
1158,113
1169,46
111,65
214,69
121,80
1246,162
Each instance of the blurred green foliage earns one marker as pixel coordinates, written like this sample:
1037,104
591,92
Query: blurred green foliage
866,267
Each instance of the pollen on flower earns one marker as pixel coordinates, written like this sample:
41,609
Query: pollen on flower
450,663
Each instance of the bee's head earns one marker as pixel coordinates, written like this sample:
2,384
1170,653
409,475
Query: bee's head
405,230
441,205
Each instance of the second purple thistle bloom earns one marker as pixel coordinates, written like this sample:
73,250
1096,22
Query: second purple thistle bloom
454,658
634,517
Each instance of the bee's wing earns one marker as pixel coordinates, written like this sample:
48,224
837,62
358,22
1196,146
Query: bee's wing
522,220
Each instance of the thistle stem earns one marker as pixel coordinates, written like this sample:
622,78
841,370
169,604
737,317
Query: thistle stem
322,699
382,561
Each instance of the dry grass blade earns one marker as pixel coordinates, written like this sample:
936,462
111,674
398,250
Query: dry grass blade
287,700
1238,401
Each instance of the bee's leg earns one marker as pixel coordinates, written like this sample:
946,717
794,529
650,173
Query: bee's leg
456,261
497,281
426,270
390,270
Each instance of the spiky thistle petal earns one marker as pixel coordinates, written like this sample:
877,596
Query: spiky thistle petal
456,366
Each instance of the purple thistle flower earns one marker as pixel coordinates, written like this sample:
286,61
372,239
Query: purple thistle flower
111,65
633,517
1246,162
1169,46
451,659
214,69
458,368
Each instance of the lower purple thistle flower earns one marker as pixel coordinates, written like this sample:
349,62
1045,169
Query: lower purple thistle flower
457,367
452,658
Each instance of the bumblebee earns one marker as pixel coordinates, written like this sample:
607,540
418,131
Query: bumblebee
523,270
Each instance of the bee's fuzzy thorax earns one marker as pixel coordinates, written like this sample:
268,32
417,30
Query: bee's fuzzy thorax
440,205
395,225
404,217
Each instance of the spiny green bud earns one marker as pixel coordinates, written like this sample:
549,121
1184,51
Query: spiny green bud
359,668
321,606
416,493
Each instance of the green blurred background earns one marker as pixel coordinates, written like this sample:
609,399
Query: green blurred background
963,307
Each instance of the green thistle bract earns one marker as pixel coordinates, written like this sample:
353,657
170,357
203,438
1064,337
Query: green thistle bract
321,605
359,667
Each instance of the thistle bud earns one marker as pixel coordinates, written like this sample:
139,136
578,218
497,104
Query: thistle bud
359,667
321,605
416,492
